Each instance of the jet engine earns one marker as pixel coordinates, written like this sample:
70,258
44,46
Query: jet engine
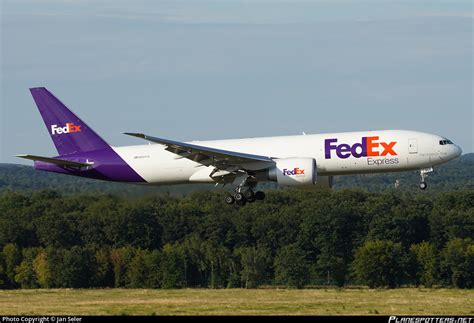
294,171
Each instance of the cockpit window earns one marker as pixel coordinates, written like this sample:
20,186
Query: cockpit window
445,142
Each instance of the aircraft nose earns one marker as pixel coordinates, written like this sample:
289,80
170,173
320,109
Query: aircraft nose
458,151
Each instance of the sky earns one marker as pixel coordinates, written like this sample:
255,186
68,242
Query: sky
197,70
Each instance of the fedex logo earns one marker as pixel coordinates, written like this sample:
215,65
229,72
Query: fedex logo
70,127
294,171
370,146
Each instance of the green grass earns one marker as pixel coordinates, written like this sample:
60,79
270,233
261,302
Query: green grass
404,301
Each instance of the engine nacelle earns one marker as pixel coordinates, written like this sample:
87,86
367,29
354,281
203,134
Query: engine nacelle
294,171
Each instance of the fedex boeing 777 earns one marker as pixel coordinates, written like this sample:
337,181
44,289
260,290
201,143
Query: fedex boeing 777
288,160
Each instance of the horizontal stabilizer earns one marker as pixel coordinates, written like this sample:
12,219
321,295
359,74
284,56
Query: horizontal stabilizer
56,161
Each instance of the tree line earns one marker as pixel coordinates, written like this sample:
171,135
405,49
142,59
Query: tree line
293,238
450,176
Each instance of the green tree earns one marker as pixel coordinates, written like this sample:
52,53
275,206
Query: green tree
452,217
255,263
424,255
15,222
12,258
135,225
25,274
120,258
3,276
95,220
399,219
173,267
57,228
137,271
291,266
71,267
42,269
470,266
103,275
457,261
331,229
378,263
196,268
219,264
152,261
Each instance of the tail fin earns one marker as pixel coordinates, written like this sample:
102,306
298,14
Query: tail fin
69,133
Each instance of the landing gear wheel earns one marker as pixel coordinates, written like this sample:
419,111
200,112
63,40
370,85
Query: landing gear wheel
259,195
229,199
239,197
249,196
424,174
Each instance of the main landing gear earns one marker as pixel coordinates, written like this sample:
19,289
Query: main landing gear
244,192
240,198
423,174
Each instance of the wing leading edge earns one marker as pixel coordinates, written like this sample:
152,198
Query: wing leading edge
207,156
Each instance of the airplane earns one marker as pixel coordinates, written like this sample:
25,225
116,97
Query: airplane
302,160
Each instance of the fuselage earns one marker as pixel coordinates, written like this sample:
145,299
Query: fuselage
335,154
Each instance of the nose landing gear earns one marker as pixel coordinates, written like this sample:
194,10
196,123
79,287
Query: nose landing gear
423,174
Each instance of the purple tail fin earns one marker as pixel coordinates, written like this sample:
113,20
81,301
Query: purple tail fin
69,133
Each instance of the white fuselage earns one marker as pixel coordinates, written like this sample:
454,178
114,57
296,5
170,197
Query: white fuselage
335,154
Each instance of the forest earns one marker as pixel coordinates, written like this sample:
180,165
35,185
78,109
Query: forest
294,238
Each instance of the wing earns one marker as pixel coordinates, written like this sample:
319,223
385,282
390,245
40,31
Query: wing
207,156
56,161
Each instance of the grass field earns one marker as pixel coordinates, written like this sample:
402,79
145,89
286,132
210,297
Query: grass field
236,302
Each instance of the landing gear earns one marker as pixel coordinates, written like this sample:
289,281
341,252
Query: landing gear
229,199
249,196
259,195
244,192
239,197
423,174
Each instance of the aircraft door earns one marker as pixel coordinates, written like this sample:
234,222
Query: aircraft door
413,146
